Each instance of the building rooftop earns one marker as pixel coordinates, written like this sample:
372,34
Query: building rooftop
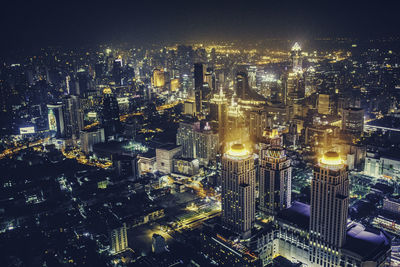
298,213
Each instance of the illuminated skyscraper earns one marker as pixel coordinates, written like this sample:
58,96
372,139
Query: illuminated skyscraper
297,60
73,116
218,112
199,72
275,176
198,142
329,209
117,71
56,119
158,79
238,186
353,121
242,85
110,116
324,104
119,239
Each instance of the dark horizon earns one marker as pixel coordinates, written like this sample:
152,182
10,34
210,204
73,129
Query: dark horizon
44,23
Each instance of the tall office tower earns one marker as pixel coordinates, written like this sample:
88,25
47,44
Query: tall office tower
242,85
185,138
91,137
117,71
353,121
324,106
209,78
329,208
110,116
206,144
295,87
56,119
158,78
219,113
297,60
252,71
258,122
83,82
275,176
119,239
73,116
199,72
238,186
310,81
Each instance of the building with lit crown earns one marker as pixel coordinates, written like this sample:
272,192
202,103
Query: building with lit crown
238,190
275,175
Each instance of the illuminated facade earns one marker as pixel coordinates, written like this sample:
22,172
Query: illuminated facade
56,119
218,112
119,239
275,176
73,116
297,59
238,186
329,209
110,117
158,79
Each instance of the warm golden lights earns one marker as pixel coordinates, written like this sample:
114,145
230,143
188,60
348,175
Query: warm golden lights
107,90
331,158
238,150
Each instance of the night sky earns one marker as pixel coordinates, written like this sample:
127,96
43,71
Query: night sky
40,23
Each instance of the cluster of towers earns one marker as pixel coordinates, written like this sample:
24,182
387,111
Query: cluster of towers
329,194
239,183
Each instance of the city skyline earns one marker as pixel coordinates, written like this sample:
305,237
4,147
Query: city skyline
174,133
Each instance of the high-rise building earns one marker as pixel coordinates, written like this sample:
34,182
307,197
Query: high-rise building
275,176
119,239
238,186
242,85
258,122
73,116
297,60
117,72
206,143
165,156
324,104
198,142
158,78
90,137
110,116
56,119
219,112
329,209
199,73
353,121
82,83
185,138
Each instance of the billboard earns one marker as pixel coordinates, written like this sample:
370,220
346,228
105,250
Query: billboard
27,130
52,121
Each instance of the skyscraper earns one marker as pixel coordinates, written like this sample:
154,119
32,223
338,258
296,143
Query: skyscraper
238,186
56,119
158,78
275,176
199,72
353,121
242,85
110,118
329,209
219,112
297,60
73,116
119,239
